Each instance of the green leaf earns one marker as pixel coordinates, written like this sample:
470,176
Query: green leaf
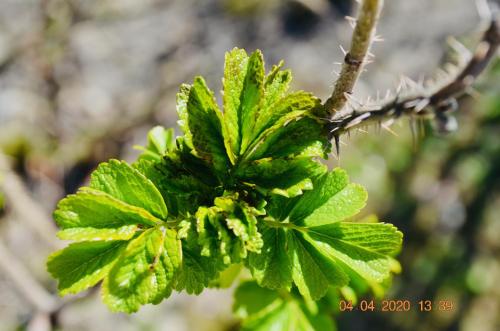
303,137
266,310
346,203
327,255
181,106
381,238
196,271
334,199
287,177
125,232
181,190
121,181
313,271
276,86
144,272
252,94
82,265
94,213
250,299
271,126
243,86
235,70
204,123
361,286
292,106
228,230
364,248
227,277
324,249
272,268
160,141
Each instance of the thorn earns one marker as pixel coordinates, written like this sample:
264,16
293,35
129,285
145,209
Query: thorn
403,82
411,104
343,50
337,63
413,84
366,62
441,74
453,68
421,104
386,127
389,122
378,38
413,130
421,80
352,21
362,130
388,94
400,87
463,52
349,107
475,94
357,120
337,144
353,100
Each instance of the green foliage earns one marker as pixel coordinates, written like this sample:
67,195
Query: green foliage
144,273
264,310
240,187
308,242
160,141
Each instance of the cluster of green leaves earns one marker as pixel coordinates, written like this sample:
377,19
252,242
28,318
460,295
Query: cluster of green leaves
262,309
243,187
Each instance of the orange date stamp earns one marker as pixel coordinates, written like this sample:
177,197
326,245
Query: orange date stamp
394,305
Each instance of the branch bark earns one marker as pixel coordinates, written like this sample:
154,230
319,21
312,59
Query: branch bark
356,57
434,104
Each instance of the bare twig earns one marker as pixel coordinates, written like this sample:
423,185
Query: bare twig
356,57
24,206
21,278
434,104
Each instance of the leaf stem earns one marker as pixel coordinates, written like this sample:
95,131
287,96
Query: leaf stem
355,58
173,223
288,225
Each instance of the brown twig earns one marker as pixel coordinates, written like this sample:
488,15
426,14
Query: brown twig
434,104
356,57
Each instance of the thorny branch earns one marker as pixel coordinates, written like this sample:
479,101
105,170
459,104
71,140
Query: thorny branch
356,58
433,104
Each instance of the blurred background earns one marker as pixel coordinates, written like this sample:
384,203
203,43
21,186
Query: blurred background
81,81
